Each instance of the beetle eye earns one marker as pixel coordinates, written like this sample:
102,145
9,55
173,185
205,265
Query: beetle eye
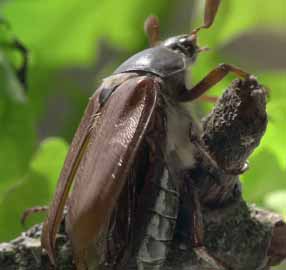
189,46
184,44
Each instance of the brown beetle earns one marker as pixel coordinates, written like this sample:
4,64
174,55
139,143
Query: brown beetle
128,154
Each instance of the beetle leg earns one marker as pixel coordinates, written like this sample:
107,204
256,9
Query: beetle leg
207,98
212,161
211,79
30,211
211,8
198,229
152,30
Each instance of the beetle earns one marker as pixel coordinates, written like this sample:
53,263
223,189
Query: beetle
127,158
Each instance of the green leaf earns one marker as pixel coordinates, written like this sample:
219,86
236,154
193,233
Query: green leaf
10,86
265,175
49,159
274,139
17,132
32,190
35,189
236,17
276,201
60,32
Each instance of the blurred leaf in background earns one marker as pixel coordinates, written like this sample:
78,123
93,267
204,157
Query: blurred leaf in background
74,44
35,188
17,130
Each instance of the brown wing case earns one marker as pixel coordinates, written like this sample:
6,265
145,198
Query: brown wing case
76,150
99,160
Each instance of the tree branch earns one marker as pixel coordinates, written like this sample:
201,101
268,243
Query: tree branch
242,237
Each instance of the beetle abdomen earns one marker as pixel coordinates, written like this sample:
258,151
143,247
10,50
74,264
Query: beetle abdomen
159,230
158,60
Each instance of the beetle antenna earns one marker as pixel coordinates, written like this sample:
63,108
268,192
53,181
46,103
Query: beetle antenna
152,30
211,8
203,49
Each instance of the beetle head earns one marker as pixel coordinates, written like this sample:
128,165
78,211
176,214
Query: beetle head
185,44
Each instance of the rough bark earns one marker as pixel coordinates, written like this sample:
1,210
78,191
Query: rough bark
240,236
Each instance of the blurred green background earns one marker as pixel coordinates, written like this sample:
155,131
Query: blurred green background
74,44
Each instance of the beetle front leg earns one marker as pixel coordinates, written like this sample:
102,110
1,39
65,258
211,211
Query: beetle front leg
211,79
